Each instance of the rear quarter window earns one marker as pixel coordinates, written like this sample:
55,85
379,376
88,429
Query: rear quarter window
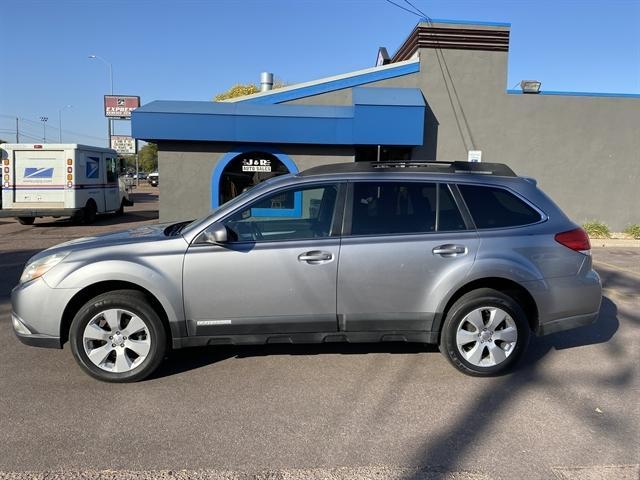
493,207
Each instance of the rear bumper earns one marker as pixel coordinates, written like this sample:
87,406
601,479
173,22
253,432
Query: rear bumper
39,212
566,302
567,323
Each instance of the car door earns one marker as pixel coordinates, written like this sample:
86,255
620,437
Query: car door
402,240
277,272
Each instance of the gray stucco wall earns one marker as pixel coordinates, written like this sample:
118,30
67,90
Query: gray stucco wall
584,151
185,170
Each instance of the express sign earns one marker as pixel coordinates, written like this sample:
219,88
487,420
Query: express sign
120,106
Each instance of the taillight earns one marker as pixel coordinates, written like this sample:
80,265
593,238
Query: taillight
576,239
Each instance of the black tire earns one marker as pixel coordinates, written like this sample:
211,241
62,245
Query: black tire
120,211
89,212
480,298
26,220
138,304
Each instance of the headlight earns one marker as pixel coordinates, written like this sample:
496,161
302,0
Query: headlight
39,267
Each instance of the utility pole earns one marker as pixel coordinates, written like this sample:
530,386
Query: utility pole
60,121
44,128
17,130
109,121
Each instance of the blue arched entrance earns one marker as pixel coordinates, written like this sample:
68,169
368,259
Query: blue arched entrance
253,158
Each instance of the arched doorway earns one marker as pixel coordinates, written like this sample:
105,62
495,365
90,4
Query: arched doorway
242,169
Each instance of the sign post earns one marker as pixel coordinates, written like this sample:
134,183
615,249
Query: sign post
119,107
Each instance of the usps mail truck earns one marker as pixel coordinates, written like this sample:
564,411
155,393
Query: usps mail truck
60,180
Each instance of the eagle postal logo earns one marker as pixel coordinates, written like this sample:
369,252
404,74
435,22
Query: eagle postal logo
38,175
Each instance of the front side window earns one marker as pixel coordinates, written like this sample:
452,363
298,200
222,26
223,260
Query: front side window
292,214
493,207
112,170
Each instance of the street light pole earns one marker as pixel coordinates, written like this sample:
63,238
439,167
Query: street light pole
109,125
44,128
60,121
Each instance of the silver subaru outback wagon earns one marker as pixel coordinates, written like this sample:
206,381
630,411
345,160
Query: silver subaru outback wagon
467,256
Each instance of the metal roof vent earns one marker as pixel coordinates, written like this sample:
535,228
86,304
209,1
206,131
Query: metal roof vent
266,81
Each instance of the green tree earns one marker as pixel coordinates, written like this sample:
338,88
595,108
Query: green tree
237,90
240,90
148,158
2,141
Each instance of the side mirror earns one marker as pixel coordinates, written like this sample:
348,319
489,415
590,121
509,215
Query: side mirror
215,233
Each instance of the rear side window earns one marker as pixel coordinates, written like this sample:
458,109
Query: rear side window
381,208
493,207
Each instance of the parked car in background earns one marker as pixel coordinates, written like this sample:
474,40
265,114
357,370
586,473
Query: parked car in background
464,255
152,178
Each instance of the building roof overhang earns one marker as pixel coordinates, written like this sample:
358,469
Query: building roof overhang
378,116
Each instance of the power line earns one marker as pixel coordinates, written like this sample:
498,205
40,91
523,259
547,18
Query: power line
39,124
424,15
446,73
403,8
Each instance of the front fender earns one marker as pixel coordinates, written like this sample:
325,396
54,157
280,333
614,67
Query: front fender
164,284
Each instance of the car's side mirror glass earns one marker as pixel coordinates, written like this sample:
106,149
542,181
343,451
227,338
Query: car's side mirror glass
214,233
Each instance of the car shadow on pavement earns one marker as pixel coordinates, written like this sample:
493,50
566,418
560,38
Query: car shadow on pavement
179,361
143,197
183,360
447,450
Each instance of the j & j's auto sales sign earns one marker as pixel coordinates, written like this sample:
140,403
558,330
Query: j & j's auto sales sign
120,106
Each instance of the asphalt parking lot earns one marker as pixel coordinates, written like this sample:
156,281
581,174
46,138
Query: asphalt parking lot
569,411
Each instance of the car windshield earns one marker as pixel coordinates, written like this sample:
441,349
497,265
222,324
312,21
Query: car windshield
199,223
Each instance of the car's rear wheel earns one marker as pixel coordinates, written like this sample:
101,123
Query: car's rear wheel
26,220
118,337
484,333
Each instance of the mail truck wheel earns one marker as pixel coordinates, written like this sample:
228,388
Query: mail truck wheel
26,220
89,212
118,337
484,333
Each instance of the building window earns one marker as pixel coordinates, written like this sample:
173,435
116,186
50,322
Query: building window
247,170
369,153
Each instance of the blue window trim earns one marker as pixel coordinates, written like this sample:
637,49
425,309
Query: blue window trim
239,150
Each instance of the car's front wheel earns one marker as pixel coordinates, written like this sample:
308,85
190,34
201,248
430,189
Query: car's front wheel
484,333
118,337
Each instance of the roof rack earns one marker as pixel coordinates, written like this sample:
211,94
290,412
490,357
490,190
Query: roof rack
476,168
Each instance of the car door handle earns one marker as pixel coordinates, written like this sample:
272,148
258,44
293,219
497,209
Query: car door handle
449,250
315,256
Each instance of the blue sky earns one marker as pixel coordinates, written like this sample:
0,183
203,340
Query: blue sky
193,49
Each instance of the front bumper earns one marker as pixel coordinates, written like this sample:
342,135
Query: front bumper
36,312
33,339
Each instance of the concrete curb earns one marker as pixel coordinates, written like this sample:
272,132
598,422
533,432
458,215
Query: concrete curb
614,242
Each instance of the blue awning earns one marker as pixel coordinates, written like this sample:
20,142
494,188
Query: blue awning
378,116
